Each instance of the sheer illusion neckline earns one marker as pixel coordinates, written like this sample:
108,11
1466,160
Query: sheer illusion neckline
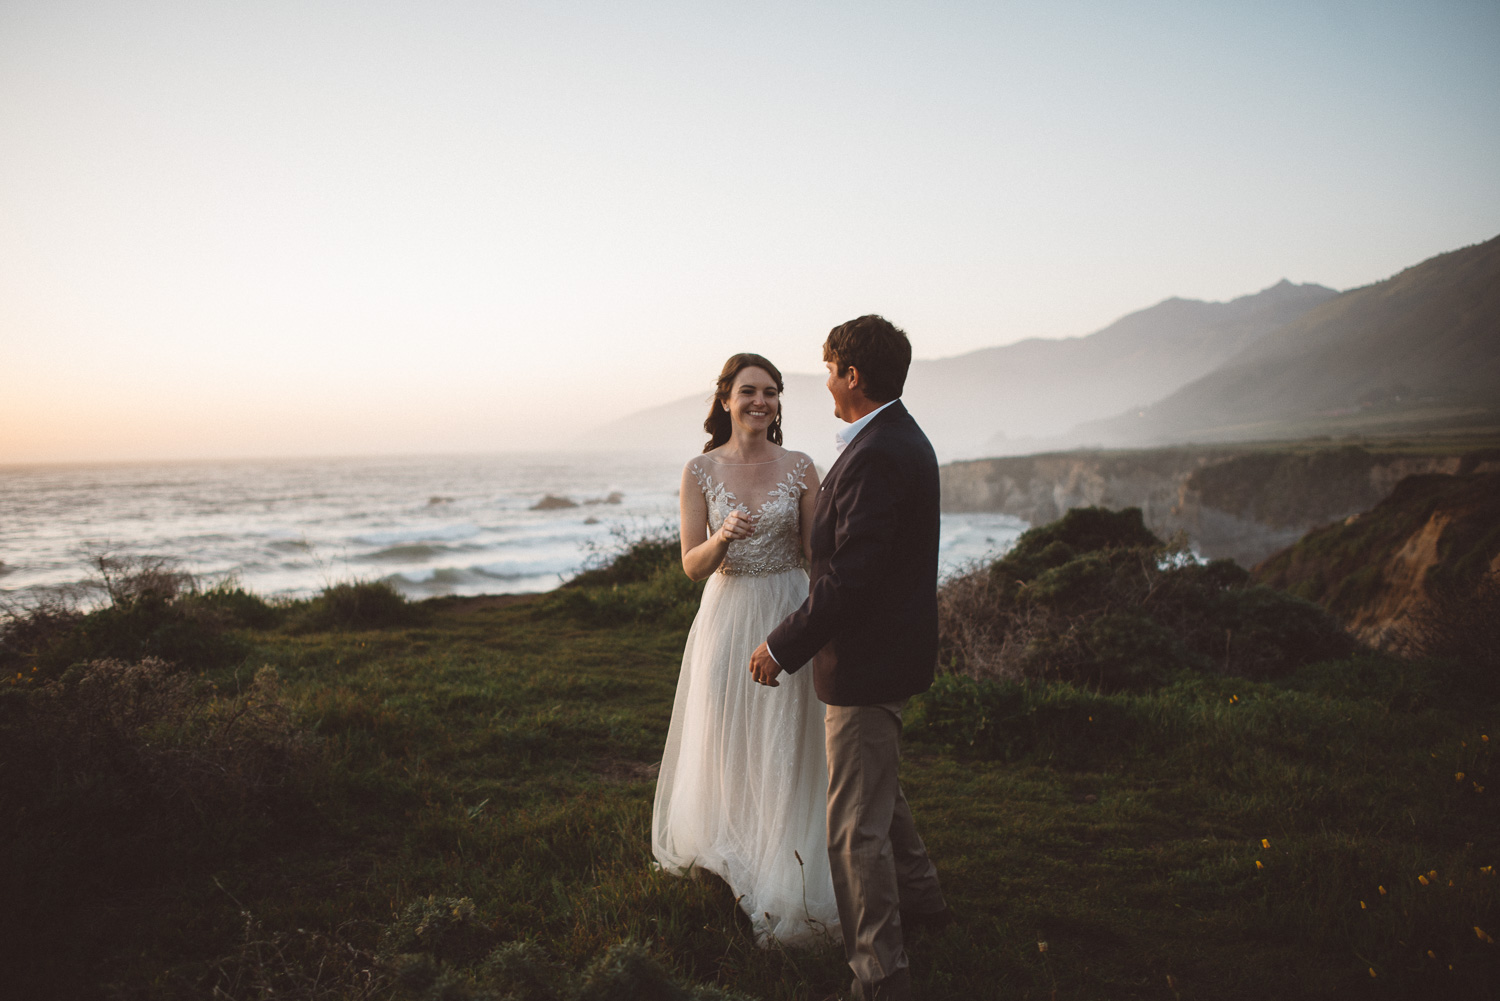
763,462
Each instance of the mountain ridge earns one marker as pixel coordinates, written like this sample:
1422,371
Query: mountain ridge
1030,388
1422,344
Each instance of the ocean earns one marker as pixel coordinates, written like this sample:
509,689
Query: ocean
430,525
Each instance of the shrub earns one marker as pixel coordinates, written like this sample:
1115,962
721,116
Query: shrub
145,732
121,775
639,580
1081,530
1458,626
26,635
236,607
1095,598
151,611
357,605
631,557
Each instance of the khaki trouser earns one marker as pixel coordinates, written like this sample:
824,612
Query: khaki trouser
880,865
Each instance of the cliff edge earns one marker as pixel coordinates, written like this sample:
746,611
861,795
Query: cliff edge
1241,502
1434,539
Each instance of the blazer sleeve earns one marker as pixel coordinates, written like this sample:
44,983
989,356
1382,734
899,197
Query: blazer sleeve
867,497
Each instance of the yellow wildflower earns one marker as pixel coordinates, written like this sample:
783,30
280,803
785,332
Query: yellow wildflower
1362,906
1041,946
1258,865
1422,880
1431,954
1381,889
1265,842
1458,776
1483,935
1372,971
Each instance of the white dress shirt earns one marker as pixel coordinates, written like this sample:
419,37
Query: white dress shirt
843,436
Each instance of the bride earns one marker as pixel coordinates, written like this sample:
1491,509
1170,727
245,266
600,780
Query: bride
743,785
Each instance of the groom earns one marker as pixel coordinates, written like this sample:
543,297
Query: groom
869,627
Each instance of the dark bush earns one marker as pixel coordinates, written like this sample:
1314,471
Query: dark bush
236,607
1400,685
122,775
151,611
1130,650
1095,598
1458,627
638,579
631,559
146,733
1081,530
1268,633
357,605
26,635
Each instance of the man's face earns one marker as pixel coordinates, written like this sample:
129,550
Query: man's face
841,387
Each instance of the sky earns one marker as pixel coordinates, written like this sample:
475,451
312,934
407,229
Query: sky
326,228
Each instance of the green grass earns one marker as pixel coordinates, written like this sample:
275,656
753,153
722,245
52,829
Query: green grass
499,752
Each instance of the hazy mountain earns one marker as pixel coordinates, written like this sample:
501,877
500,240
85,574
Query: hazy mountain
989,401
979,403
1420,348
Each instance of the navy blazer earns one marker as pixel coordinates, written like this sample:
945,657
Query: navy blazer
869,624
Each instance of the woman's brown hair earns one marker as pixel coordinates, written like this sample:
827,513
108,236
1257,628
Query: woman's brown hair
718,424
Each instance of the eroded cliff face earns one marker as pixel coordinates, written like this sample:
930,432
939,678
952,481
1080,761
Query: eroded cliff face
1434,539
1241,503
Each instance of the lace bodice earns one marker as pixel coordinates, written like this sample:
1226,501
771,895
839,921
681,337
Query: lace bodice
779,485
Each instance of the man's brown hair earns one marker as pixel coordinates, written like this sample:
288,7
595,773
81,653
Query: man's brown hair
875,346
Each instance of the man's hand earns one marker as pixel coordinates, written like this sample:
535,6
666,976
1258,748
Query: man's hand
763,667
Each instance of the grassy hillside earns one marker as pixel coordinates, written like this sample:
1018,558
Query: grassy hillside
363,799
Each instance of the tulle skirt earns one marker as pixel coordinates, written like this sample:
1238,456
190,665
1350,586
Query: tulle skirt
743,787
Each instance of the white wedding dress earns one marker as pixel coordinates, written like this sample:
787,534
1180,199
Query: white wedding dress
743,785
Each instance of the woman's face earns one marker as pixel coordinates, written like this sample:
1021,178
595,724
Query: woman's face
754,401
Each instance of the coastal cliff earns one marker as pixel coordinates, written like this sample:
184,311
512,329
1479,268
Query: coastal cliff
1434,541
1244,503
